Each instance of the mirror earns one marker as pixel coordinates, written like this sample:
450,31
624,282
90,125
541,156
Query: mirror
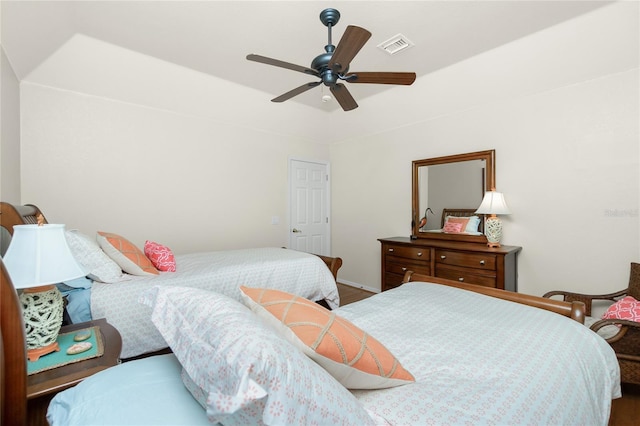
454,184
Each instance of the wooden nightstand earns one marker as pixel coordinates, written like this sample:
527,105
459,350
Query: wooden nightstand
41,387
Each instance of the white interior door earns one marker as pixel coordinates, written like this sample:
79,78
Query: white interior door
309,227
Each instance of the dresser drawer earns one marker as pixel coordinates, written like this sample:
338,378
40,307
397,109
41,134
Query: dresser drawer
399,265
472,276
470,260
417,253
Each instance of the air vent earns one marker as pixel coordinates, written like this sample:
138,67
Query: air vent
395,44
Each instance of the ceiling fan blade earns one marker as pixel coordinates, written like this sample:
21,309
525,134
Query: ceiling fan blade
343,97
290,94
282,64
405,78
350,44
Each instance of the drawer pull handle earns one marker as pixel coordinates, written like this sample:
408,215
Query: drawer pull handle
460,279
404,269
443,256
482,262
391,250
419,253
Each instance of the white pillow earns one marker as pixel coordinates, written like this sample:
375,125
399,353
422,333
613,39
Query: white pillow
89,254
243,372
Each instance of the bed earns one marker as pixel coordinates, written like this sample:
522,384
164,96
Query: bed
116,300
475,226
477,355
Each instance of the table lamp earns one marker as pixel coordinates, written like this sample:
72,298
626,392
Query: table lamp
493,204
39,257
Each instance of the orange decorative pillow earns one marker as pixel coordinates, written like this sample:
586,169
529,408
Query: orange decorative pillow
161,256
352,356
626,308
124,253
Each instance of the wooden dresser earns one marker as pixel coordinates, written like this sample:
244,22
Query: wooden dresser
472,263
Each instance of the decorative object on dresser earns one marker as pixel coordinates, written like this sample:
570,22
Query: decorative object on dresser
38,257
454,260
493,204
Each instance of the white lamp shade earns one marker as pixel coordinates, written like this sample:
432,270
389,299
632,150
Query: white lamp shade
39,255
493,203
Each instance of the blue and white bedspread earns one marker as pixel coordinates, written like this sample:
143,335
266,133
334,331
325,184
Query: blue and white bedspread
478,360
223,271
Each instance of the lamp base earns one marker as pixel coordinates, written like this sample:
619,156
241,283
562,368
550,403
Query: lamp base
34,354
42,314
493,231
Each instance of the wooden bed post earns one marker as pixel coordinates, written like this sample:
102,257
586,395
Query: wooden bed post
13,355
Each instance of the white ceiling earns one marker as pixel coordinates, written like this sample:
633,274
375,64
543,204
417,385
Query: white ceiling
214,37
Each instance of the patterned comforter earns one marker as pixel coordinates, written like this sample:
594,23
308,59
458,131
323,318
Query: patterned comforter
223,271
479,360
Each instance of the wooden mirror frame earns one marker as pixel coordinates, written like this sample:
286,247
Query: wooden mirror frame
490,183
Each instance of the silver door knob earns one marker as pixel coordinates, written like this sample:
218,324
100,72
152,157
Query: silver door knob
296,230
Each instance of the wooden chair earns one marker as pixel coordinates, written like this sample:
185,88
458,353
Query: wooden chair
626,343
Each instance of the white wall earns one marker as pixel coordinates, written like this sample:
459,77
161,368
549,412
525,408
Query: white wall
185,181
9,132
560,108
565,131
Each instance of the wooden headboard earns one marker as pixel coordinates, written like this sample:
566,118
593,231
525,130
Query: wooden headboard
10,216
13,355
462,213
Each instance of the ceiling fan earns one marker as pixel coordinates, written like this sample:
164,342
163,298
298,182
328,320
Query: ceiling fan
333,65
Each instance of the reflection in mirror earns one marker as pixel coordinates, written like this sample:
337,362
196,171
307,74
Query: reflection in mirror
455,185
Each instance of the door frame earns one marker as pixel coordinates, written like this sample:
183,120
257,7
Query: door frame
327,200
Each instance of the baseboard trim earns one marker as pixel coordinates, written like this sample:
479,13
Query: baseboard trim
359,286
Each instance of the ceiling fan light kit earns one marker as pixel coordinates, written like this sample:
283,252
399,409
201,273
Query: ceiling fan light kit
332,66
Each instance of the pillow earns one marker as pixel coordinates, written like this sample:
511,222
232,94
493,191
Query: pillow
161,256
452,227
626,308
125,254
463,221
89,254
469,223
472,225
239,369
352,356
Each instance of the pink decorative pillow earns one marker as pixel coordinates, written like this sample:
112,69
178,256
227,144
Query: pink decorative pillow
161,256
463,221
453,227
626,308
124,253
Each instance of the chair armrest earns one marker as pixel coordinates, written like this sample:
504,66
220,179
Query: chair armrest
629,330
587,299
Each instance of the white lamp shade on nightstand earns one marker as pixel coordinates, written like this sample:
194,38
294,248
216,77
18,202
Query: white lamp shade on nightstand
37,258
493,204
39,255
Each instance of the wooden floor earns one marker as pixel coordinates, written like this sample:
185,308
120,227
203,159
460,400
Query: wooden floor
625,411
